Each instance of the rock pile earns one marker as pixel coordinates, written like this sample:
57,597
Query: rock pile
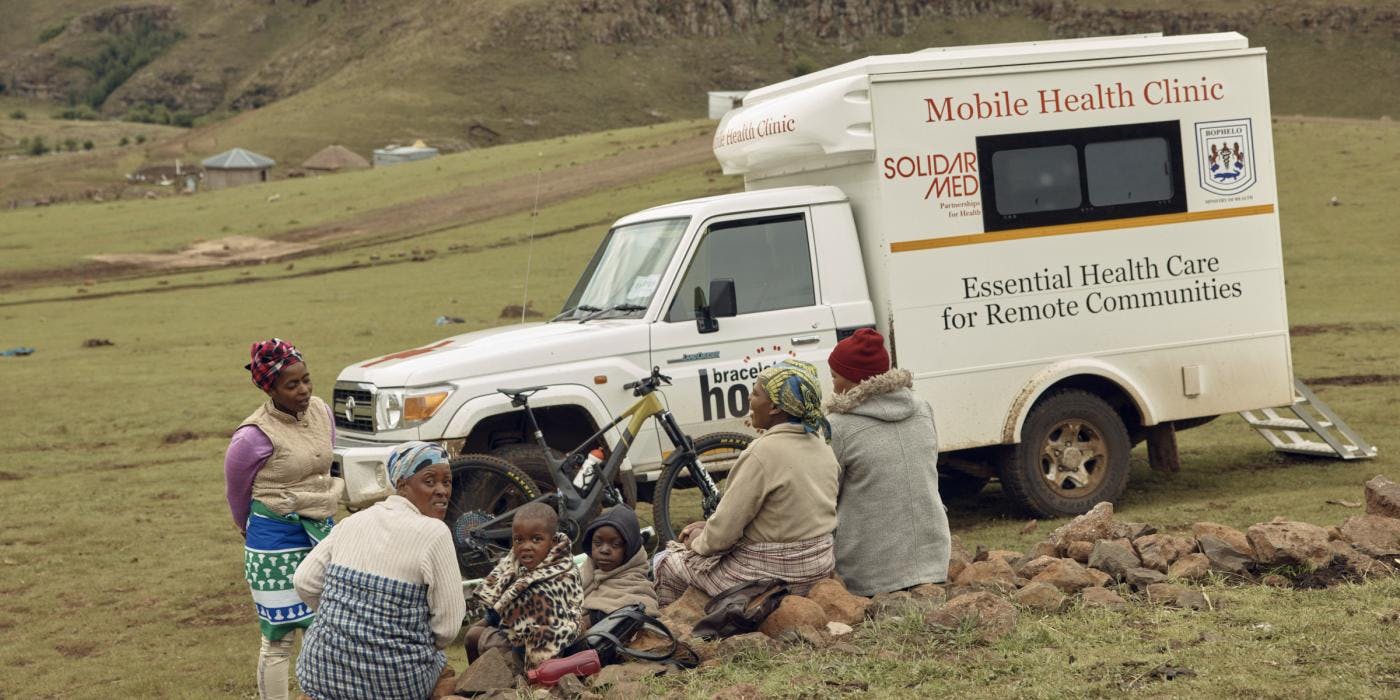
1095,561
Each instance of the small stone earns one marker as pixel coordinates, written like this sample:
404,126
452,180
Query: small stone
1066,575
1100,578
1289,542
1372,535
986,571
795,611
993,617
1275,581
1079,551
1192,567
1142,577
1192,599
1383,497
682,614
1230,536
446,684
570,687
929,591
838,629
837,602
494,670
1032,568
1222,555
1113,557
892,604
1042,549
1097,524
1160,593
1040,596
806,635
1005,555
633,672
1030,527
1102,598
1161,551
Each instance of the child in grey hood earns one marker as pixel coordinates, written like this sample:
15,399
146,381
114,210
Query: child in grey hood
891,527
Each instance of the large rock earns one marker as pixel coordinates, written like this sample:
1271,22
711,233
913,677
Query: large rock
1039,596
1223,555
1079,551
1373,535
1140,577
1067,575
1192,567
795,611
980,572
1097,524
992,616
1282,541
1114,557
1383,497
1100,578
1160,551
1102,598
1032,568
1229,535
1006,555
446,684
682,614
494,670
1042,549
838,603
1162,593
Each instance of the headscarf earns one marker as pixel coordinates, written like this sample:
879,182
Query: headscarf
408,458
793,387
270,357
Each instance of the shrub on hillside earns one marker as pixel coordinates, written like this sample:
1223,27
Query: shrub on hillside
52,31
121,56
87,145
37,147
124,141
18,114
82,112
70,145
140,138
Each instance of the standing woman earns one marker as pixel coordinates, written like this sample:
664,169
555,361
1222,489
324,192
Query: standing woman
282,496
386,589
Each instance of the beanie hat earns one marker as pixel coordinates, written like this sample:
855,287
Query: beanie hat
860,356
622,519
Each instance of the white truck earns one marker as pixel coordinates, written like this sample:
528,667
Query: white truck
1073,246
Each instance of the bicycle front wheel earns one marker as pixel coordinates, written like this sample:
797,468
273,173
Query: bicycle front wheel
483,487
682,496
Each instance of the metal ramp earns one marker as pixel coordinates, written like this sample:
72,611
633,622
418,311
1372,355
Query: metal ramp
1308,427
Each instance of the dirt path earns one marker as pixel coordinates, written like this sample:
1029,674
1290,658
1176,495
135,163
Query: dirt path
462,206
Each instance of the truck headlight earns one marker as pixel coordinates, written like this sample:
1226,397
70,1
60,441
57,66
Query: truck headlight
405,408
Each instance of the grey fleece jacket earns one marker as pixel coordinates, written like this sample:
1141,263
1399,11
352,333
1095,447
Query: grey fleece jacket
891,529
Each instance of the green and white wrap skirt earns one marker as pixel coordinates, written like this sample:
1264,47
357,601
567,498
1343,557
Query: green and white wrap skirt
275,545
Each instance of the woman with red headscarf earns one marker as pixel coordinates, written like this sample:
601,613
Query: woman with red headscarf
282,496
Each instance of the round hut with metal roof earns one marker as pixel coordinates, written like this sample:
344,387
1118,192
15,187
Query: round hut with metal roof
235,167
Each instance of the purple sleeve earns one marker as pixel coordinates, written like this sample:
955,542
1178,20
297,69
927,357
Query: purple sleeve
247,453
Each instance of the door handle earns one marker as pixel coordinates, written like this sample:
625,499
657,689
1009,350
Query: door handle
806,339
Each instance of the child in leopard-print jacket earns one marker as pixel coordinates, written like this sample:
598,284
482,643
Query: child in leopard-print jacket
533,596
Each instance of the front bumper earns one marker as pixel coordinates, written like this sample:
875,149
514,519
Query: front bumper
366,474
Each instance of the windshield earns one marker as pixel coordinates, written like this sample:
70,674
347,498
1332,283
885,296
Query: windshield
625,271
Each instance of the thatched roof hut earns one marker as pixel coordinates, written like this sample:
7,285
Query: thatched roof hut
335,158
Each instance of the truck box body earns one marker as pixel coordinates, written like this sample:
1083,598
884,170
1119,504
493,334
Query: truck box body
1032,212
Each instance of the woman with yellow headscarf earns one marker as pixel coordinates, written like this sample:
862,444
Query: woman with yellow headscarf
779,508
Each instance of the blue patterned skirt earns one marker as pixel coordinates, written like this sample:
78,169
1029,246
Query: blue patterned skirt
371,639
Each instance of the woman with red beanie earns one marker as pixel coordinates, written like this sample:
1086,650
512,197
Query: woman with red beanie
891,527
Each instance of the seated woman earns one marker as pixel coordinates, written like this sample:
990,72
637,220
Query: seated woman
893,531
386,589
779,508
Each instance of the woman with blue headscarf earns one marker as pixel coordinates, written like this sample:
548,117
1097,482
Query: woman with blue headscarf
386,589
779,507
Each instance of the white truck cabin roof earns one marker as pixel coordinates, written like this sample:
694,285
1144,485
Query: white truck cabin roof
823,119
758,200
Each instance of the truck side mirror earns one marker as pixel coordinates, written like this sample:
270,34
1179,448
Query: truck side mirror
723,301
704,321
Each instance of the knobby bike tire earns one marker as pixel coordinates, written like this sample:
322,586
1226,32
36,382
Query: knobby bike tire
483,485
676,475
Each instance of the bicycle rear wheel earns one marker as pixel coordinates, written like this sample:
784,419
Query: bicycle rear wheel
483,487
677,501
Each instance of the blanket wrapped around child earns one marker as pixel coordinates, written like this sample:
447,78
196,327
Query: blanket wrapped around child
630,582
538,607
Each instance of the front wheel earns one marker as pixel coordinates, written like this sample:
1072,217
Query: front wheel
1073,454
483,487
672,510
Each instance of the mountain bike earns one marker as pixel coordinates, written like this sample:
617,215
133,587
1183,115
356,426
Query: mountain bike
487,490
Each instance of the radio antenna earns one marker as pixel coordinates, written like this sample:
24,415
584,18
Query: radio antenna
530,246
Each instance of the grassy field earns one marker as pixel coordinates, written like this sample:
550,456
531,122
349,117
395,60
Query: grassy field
120,570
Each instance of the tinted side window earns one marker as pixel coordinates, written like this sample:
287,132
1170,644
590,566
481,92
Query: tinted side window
769,260
1124,172
1036,179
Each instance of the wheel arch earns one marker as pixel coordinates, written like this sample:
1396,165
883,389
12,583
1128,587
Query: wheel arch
1094,376
567,413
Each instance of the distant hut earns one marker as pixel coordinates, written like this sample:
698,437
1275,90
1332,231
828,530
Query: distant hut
334,159
235,167
395,154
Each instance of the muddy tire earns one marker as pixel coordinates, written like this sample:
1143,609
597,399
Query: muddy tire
483,486
1073,454
668,512
529,458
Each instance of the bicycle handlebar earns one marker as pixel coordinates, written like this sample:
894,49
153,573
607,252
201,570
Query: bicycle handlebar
648,384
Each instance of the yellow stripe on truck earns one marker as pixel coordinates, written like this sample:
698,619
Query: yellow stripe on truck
1080,227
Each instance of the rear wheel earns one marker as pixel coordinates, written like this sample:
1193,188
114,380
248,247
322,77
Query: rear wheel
483,487
676,501
1073,454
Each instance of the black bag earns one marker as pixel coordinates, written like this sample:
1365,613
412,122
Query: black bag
740,609
610,635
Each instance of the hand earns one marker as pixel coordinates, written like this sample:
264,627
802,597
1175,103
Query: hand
690,531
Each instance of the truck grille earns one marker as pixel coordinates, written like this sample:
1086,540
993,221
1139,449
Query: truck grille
353,405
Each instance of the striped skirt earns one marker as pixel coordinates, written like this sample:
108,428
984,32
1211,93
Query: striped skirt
275,545
800,564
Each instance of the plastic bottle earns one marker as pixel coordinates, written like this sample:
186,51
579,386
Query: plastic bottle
584,478
585,663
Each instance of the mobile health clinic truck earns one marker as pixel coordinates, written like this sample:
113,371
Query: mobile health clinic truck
1072,245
